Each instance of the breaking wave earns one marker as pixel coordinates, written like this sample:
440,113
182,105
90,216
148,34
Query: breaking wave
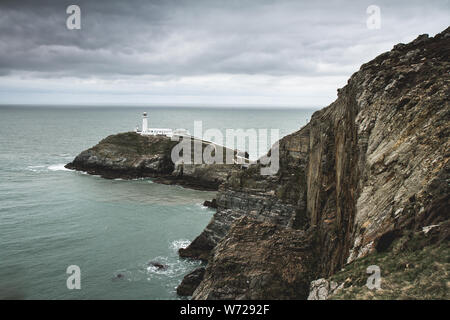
178,244
58,167
54,167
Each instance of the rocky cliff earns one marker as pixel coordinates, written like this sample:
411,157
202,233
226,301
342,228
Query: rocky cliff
130,155
368,173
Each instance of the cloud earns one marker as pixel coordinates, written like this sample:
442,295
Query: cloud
164,44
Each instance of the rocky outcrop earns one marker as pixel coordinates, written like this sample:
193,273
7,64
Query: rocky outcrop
281,270
130,155
364,171
321,289
278,199
127,155
260,205
210,204
190,282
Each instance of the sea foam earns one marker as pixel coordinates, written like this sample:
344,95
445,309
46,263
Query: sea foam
178,244
58,167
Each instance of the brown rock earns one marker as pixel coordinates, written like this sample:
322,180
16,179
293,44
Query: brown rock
190,282
259,260
210,204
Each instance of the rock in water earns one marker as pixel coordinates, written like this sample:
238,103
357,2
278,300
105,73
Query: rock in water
158,265
210,204
366,172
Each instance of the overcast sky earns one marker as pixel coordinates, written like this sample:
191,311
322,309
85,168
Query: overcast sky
246,53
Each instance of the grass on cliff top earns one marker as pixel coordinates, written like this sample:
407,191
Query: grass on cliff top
133,143
405,274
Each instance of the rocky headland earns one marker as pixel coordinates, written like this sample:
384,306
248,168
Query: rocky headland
365,182
130,155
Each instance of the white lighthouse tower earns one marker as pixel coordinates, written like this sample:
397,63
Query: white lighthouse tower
146,131
144,122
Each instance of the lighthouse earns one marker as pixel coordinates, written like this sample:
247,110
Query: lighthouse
146,131
144,122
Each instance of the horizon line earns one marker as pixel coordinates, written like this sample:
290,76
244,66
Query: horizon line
116,105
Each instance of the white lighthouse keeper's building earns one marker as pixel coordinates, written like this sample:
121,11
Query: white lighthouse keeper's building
146,131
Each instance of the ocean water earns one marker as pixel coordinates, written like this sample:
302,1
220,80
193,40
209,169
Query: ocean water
51,218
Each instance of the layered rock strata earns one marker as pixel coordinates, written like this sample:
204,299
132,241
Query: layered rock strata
366,170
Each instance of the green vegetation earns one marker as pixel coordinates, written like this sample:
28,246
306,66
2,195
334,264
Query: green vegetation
408,271
133,143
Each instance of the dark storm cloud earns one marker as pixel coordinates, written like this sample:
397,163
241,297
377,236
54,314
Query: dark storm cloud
246,52
182,38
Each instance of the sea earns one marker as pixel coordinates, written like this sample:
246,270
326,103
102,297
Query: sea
52,218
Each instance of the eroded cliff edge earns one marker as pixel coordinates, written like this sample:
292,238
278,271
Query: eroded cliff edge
366,172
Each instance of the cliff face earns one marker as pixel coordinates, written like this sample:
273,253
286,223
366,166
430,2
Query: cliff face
369,169
258,260
130,155
127,155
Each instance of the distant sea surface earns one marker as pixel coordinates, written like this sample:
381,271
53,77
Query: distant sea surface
51,218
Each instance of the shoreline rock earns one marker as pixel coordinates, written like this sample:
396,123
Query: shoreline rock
190,282
210,204
278,259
